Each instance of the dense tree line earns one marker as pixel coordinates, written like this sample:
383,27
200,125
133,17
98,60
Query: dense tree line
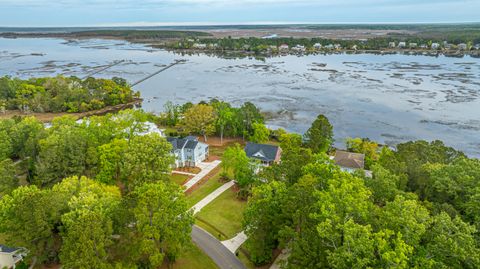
420,209
262,45
63,94
216,117
93,193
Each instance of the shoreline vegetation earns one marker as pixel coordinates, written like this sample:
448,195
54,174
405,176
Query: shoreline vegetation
53,96
429,40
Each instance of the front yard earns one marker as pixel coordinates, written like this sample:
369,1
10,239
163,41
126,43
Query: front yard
225,213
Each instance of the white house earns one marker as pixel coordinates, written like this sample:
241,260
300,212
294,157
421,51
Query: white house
317,46
477,46
329,46
402,44
299,48
412,45
199,46
9,257
284,47
337,46
188,151
462,46
435,46
392,44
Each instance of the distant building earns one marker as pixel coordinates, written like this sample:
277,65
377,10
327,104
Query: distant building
402,44
299,48
199,46
266,154
354,47
270,36
329,46
284,47
349,161
462,46
392,44
9,257
317,46
188,151
435,46
337,46
477,46
424,46
412,45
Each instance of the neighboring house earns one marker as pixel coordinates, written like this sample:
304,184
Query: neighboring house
435,46
349,161
354,47
317,46
266,154
413,45
392,44
337,46
329,46
199,46
462,46
299,48
284,47
402,44
9,257
477,46
188,151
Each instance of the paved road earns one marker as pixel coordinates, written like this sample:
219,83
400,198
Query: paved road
215,249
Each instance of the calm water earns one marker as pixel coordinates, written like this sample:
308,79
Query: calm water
389,98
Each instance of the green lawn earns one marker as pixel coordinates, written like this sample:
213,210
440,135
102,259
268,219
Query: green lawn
193,258
205,189
178,178
224,213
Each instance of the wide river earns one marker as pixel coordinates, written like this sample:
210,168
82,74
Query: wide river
388,98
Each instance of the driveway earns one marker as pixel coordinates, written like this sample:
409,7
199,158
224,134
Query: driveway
206,168
215,249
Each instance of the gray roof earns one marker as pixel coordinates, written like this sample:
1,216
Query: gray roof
189,142
349,159
6,249
261,152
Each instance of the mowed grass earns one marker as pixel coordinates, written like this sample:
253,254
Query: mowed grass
225,213
205,189
179,179
192,258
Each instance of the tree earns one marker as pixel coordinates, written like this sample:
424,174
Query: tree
249,114
6,147
236,163
263,219
8,179
199,119
110,164
87,226
408,217
294,158
260,134
147,159
62,154
29,218
385,185
451,243
224,117
320,135
162,223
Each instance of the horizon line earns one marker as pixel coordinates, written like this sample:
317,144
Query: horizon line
260,23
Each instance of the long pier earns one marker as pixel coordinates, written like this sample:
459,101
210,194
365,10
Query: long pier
103,69
158,72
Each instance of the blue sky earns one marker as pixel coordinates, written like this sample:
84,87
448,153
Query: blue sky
194,12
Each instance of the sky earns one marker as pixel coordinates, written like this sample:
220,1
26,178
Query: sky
43,13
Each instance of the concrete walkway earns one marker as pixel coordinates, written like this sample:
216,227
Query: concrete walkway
183,173
235,243
206,168
205,201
